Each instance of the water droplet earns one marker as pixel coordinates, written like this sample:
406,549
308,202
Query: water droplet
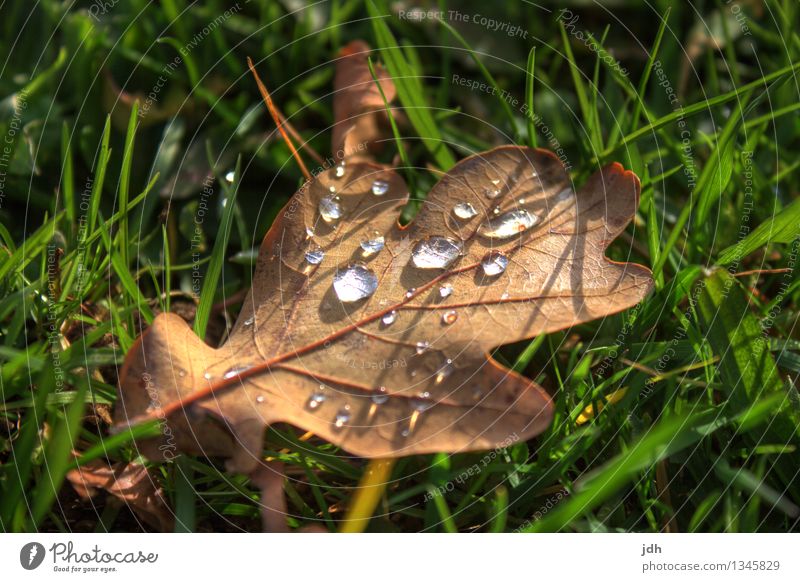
410,293
508,224
504,295
380,187
492,193
329,209
389,318
332,189
315,400
342,417
422,346
230,176
422,402
340,170
354,283
181,372
464,210
372,245
445,291
259,399
250,320
207,375
436,252
444,371
494,264
314,255
564,195
380,397
309,232
449,317
235,371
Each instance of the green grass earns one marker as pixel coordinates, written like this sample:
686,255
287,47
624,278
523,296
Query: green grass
680,414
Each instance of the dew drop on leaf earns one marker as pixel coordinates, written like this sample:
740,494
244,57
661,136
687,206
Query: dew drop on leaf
315,400
380,187
494,264
340,170
445,291
444,371
314,255
259,399
464,210
436,252
235,371
380,397
508,224
354,283
372,245
329,209
449,317
207,375
410,293
422,402
389,318
422,346
342,417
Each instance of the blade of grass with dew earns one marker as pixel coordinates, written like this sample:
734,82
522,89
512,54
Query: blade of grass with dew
212,275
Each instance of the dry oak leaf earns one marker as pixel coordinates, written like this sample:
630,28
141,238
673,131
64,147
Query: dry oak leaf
376,336
130,483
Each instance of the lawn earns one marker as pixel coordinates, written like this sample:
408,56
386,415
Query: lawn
140,170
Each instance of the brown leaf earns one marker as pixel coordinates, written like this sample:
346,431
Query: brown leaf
295,340
404,370
127,482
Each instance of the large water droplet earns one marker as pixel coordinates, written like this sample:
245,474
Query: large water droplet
422,346
235,371
445,291
314,255
372,245
354,283
380,187
449,317
436,252
389,318
508,224
329,209
315,400
342,417
380,397
464,210
494,264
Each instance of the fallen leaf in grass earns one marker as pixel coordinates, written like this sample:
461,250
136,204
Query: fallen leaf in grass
130,483
376,336
358,107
